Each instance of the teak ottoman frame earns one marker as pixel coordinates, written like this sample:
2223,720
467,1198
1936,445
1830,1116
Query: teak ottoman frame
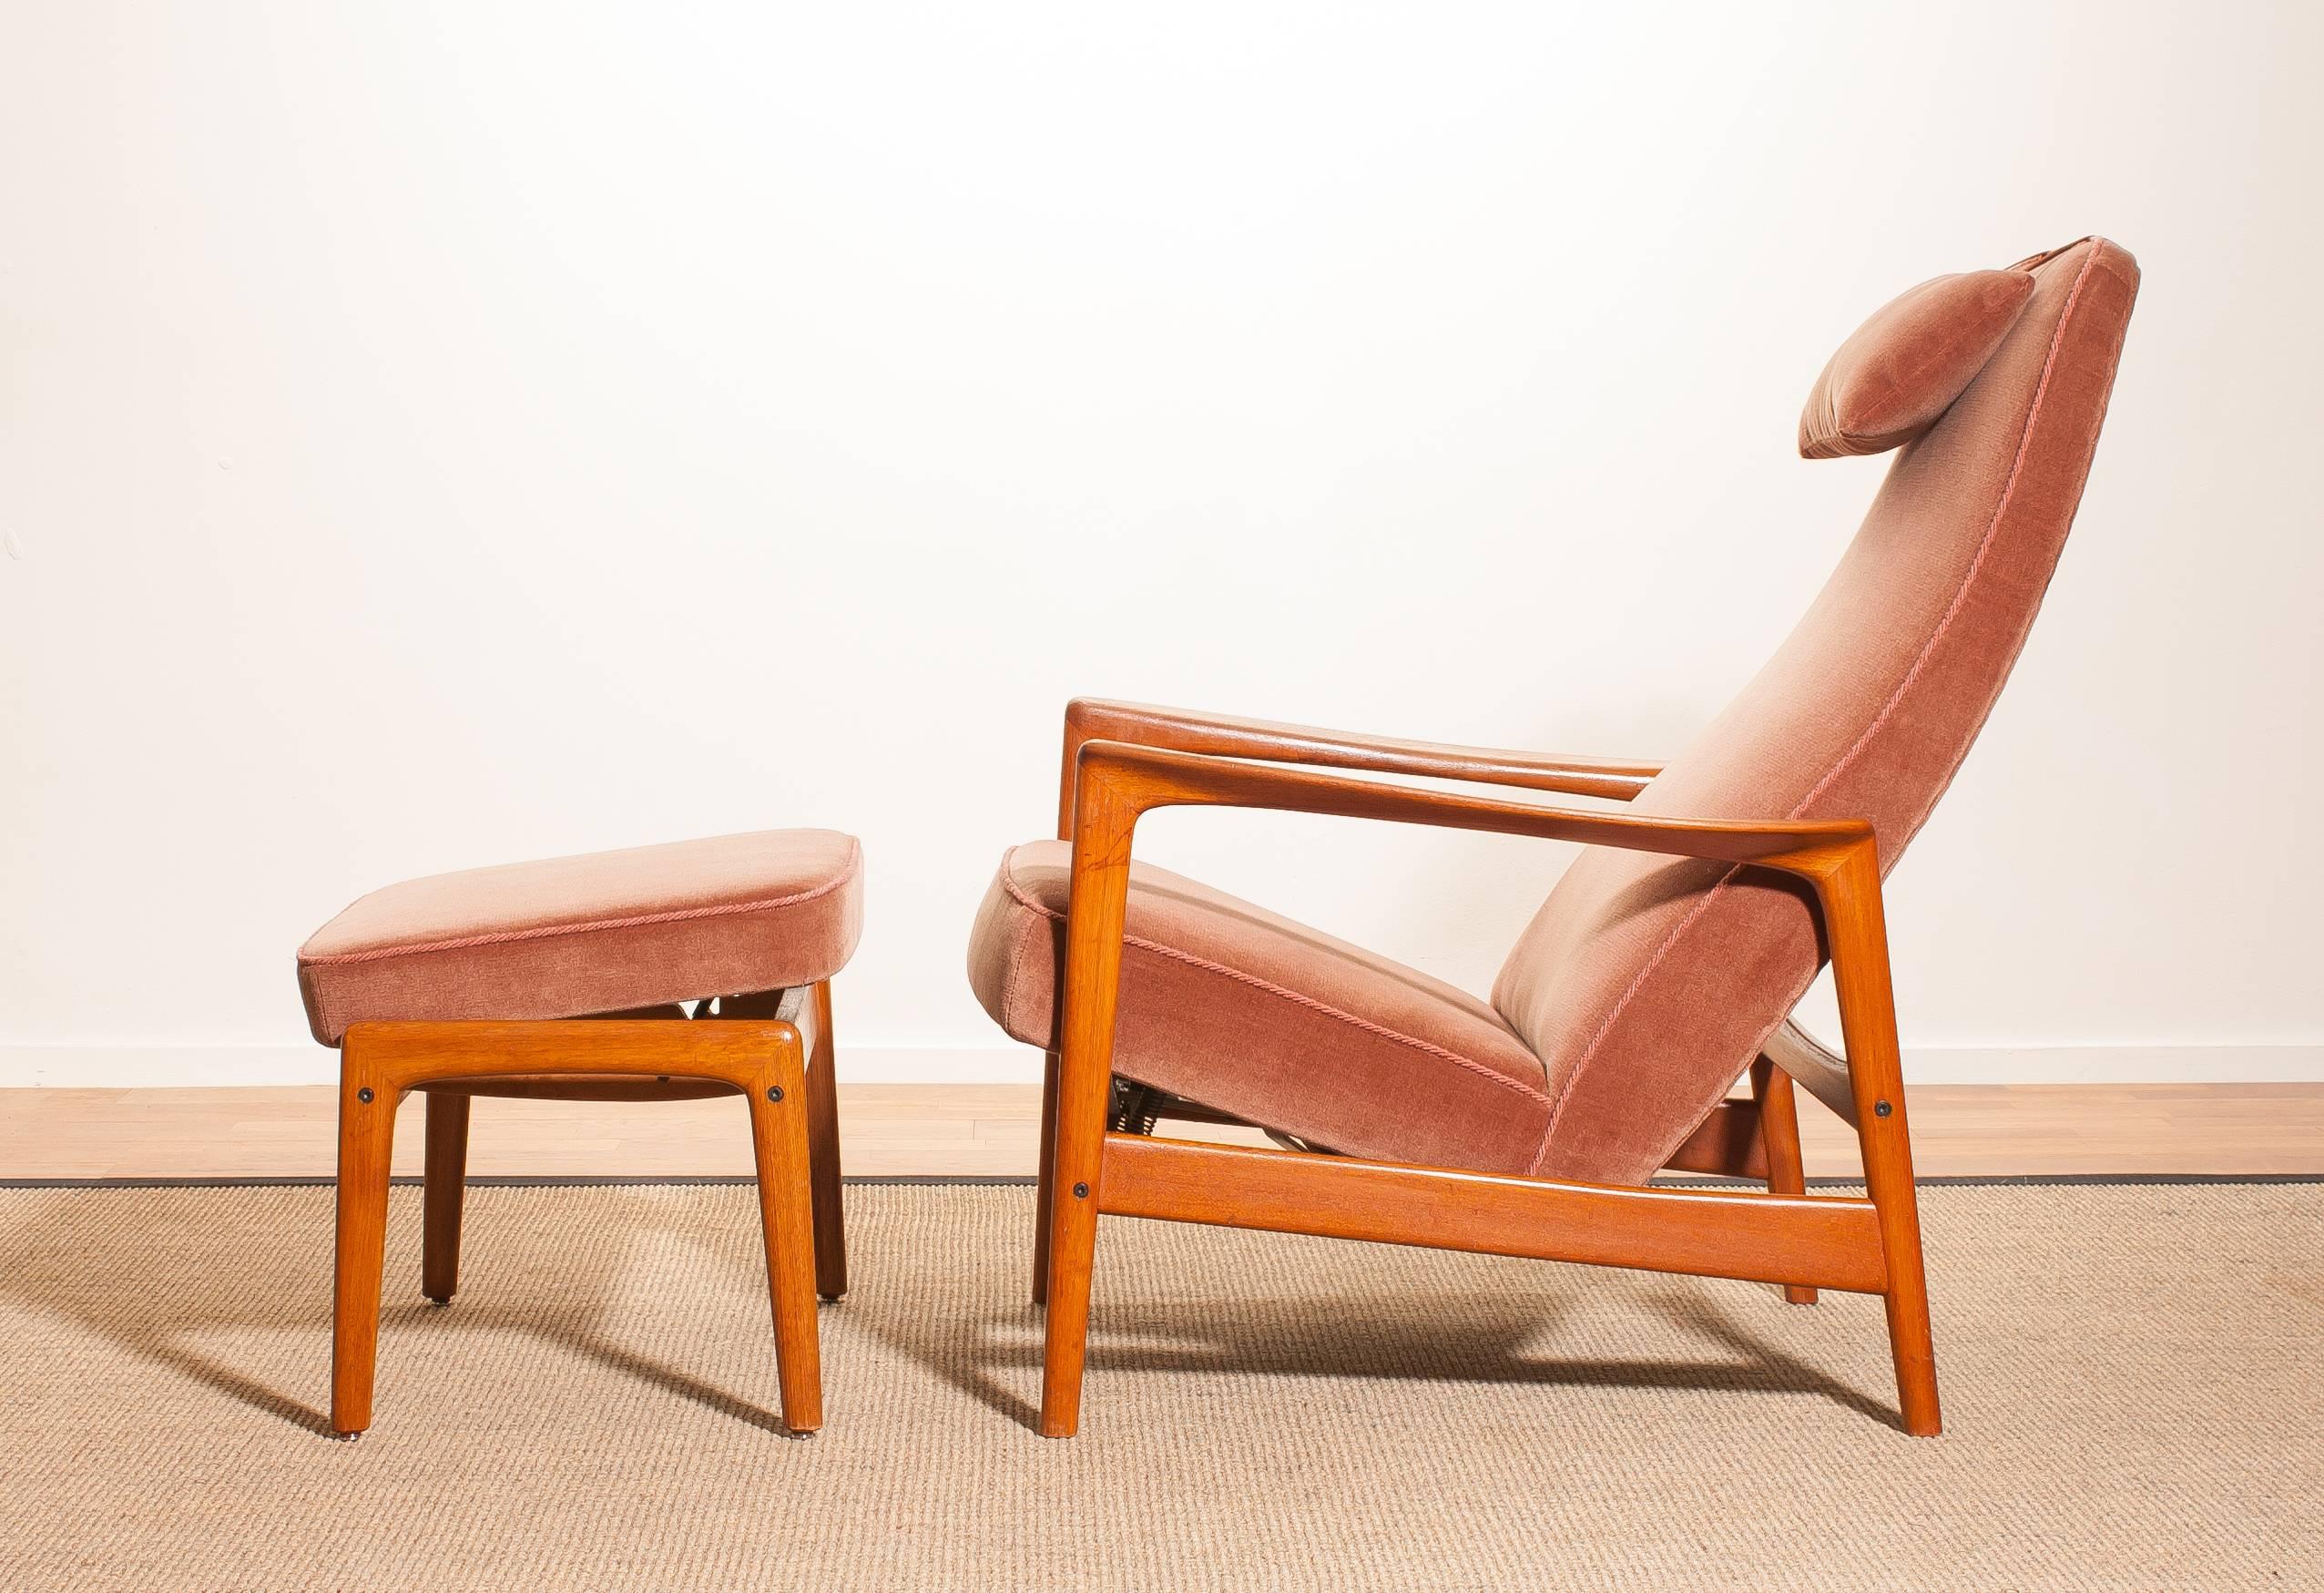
774,1048
1122,761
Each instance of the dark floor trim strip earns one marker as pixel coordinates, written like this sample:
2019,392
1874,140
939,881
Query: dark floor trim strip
482,1181
585,1181
2029,1181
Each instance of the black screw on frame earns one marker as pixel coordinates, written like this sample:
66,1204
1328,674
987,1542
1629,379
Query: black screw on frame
1081,1192
1882,1108
774,1092
364,1093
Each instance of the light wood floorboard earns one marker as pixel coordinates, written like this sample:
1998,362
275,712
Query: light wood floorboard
989,1130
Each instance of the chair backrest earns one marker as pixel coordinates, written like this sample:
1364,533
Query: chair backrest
1648,984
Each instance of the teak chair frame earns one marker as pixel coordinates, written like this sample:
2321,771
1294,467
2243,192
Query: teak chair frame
774,1047
1122,761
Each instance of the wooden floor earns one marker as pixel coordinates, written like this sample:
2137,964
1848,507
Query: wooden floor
990,1130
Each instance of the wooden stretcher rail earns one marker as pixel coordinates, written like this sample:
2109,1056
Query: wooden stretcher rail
1819,1241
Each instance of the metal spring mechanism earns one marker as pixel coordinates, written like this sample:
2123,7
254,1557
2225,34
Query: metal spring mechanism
1135,1109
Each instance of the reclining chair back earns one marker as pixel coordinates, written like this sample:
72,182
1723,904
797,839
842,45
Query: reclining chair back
1648,984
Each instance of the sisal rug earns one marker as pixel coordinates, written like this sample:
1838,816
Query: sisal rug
2134,1384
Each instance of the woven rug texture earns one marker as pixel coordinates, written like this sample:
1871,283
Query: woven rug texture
2133,1379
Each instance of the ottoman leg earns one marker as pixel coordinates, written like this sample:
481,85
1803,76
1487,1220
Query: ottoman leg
366,1138
824,1152
779,1114
447,1182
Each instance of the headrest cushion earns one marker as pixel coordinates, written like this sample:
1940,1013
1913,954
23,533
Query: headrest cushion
1903,368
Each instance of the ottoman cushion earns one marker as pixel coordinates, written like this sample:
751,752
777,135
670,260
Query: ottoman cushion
569,936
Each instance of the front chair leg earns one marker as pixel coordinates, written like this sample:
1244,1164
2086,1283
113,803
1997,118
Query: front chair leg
1072,1231
779,1141
1098,898
367,1103
446,1184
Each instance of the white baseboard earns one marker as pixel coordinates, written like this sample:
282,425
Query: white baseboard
164,1066
2114,1064
932,1064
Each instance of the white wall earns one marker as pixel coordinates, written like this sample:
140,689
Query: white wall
434,435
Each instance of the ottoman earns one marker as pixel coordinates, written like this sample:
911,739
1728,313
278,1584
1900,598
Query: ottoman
661,973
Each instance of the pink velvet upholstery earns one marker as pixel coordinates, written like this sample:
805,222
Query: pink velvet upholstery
1903,368
1247,1011
1646,985
571,937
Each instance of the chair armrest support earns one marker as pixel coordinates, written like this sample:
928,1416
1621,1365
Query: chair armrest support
1116,783
1183,730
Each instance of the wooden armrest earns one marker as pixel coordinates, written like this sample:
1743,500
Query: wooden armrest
1129,780
1115,783
1183,730
1197,777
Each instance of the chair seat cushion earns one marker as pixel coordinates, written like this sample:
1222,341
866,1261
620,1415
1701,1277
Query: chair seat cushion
569,936
1240,1009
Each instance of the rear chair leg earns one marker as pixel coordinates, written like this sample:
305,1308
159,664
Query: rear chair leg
1854,917
367,1106
1045,1177
1780,1137
446,1184
1889,1178
823,1154
779,1141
